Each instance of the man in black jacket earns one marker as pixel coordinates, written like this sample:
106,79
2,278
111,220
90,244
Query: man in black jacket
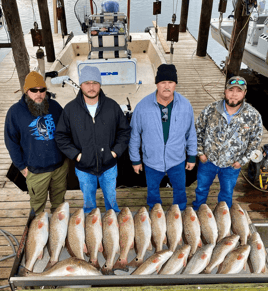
93,131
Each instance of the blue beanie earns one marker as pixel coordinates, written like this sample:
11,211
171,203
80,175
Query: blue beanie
89,73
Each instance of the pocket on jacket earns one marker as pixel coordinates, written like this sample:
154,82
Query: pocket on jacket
106,155
88,158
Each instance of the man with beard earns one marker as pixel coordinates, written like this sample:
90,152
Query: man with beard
29,136
93,132
228,131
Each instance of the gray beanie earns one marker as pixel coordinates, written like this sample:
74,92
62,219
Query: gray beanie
89,73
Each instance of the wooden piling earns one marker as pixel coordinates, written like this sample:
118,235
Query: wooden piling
184,15
46,30
19,50
63,18
204,25
55,18
238,40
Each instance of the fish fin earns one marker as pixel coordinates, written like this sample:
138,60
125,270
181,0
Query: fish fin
184,263
41,255
104,254
135,263
68,247
121,264
100,248
85,249
165,240
200,244
150,247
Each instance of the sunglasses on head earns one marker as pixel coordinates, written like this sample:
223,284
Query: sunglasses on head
165,116
240,82
34,90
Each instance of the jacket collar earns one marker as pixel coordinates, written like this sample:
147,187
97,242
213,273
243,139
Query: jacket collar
80,99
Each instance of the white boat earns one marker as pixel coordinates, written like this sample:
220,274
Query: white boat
127,63
255,54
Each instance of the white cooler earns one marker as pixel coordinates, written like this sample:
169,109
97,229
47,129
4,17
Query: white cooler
113,71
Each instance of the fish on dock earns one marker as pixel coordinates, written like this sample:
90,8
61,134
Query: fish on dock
75,241
209,229
235,261
58,227
36,240
142,228
258,254
110,233
159,226
126,238
223,220
153,263
174,227
191,229
239,224
199,260
69,267
177,261
94,236
221,250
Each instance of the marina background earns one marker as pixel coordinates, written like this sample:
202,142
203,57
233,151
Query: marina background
141,17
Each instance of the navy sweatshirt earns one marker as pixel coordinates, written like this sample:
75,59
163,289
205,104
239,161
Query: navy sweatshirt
30,140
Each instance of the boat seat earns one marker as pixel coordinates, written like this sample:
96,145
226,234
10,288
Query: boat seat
108,36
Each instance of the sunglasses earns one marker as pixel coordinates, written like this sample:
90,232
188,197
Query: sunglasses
33,90
240,82
165,116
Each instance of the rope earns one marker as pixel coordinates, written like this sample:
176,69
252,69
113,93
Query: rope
252,184
6,234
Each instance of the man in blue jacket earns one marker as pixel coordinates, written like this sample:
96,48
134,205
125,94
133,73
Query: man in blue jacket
29,136
163,125
94,132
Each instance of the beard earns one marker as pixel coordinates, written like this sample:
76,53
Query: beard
91,97
232,104
37,109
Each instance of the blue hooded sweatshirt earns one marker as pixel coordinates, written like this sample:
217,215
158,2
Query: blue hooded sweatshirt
147,132
30,140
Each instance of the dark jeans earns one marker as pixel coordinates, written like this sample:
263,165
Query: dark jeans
205,176
177,179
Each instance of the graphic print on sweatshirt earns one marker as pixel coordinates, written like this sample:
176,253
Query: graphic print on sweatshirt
43,127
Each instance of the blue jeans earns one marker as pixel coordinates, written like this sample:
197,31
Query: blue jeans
89,184
205,176
177,179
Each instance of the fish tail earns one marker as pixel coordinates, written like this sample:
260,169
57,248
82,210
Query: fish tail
49,265
135,263
121,264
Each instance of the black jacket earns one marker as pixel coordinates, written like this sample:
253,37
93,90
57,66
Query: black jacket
77,132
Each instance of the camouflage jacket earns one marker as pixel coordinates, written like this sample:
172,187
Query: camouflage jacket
224,143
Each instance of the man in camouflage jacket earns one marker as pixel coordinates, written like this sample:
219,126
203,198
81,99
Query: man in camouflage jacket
228,131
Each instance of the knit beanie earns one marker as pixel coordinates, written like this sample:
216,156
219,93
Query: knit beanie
89,73
32,80
166,72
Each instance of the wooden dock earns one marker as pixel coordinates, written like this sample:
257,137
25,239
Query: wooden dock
199,79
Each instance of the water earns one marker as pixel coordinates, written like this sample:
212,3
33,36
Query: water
141,17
